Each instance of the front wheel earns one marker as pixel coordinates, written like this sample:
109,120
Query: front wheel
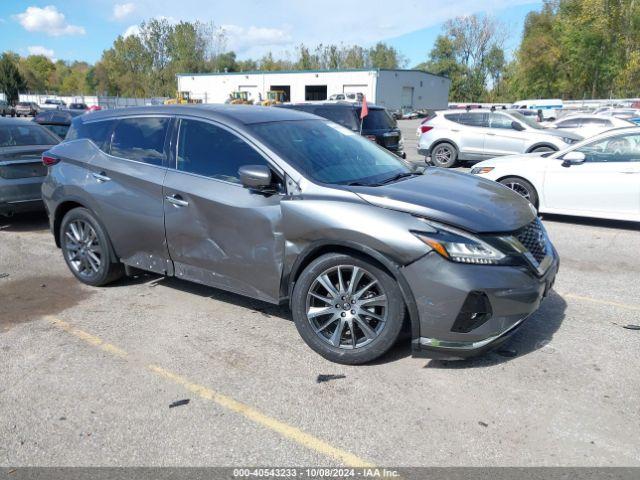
522,187
87,250
542,150
347,309
444,155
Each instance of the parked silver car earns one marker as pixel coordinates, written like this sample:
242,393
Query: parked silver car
6,110
21,169
452,135
27,109
284,206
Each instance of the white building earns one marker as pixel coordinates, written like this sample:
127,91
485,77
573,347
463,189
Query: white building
393,89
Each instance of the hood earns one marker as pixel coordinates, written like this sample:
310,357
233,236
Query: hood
459,199
562,133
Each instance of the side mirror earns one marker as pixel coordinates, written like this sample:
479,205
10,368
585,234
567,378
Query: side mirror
573,158
256,177
517,126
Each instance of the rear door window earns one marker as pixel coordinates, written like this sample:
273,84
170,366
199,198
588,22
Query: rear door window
140,139
474,119
208,150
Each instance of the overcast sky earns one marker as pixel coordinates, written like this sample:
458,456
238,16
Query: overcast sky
82,29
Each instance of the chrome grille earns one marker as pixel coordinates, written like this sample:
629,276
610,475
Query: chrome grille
534,239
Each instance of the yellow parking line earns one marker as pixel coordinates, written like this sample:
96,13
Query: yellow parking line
601,302
250,413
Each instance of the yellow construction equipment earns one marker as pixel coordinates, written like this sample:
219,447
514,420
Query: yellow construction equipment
274,97
240,98
182,98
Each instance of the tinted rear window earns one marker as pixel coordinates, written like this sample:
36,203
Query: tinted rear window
22,135
377,120
98,132
343,116
140,139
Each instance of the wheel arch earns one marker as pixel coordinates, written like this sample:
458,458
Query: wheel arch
65,207
317,249
542,144
440,141
533,184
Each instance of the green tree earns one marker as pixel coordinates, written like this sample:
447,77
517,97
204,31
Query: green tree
11,81
382,55
470,53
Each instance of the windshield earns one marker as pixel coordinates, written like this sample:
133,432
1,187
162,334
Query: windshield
526,120
23,135
329,153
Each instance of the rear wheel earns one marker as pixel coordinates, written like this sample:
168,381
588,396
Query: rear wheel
347,309
87,250
444,155
522,187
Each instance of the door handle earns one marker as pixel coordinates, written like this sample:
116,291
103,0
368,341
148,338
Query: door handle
177,200
492,134
101,177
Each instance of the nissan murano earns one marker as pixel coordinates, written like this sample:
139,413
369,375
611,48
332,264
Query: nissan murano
290,208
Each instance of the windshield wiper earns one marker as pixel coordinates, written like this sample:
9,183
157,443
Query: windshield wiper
361,184
399,176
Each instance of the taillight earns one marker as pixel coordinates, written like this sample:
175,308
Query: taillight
425,128
49,160
371,137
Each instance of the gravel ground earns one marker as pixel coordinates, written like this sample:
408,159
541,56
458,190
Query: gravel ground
88,374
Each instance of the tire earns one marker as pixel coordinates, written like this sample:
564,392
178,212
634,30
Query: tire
87,249
543,149
444,155
371,319
522,187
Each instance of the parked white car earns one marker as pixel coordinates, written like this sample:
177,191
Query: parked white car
475,135
598,177
587,125
53,104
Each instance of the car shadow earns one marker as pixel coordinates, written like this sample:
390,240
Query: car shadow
266,309
24,222
536,333
593,222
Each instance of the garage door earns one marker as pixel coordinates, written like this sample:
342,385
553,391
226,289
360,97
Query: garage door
407,97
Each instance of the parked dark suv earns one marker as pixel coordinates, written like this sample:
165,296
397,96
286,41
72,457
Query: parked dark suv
283,206
379,125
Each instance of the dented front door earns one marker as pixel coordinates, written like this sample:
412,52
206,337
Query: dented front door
223,235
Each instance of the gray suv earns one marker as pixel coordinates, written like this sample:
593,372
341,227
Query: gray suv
452,135
287,207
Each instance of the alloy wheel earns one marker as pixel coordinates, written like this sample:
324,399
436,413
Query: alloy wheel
520,189
442,155
82,248
347,307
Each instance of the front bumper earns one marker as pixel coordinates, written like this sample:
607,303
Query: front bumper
440,289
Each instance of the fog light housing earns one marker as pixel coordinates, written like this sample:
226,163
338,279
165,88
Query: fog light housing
475,311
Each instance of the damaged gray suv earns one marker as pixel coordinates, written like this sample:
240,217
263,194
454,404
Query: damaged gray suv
284,206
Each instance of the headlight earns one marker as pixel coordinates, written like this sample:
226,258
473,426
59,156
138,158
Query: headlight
459,246
568,140
481,170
